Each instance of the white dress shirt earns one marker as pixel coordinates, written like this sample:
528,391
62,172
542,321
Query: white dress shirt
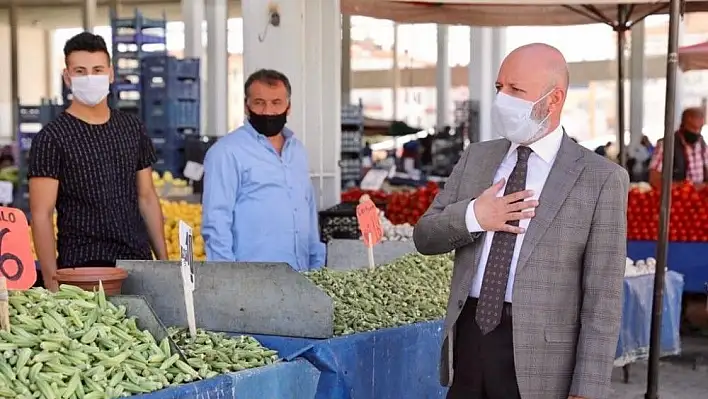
539,166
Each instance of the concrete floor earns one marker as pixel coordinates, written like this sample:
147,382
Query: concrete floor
677,377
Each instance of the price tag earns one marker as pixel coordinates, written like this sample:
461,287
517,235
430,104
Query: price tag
186,241
16,260
367,214
193,171
6,189
373,179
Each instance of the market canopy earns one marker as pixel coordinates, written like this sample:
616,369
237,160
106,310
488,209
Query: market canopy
514,12
694,58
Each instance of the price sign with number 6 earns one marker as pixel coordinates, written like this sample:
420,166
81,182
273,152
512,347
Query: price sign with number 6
16,260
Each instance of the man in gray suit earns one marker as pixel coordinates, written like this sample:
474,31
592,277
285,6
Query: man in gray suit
539,222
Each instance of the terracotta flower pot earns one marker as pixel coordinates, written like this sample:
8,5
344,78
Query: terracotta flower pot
87,278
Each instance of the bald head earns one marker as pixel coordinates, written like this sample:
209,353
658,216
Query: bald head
537,73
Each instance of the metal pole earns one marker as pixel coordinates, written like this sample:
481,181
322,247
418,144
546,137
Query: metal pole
88,15
14,69
621,41
665,208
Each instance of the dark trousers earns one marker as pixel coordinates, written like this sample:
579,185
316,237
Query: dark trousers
483,364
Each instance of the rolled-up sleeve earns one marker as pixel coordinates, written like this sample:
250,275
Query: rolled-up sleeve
221,183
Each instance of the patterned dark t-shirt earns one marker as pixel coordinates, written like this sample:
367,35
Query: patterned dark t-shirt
98,218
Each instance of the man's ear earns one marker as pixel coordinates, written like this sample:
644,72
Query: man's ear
287,112
66,78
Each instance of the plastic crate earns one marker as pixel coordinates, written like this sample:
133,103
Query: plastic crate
156,88
175,114
168,160
171,138
339,222
171,67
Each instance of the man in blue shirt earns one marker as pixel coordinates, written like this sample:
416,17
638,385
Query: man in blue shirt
258,202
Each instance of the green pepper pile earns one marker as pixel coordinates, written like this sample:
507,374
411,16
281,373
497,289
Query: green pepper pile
411,289
209,351
77,344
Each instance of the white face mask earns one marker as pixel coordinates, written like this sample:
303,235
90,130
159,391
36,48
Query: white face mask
89,89
512,118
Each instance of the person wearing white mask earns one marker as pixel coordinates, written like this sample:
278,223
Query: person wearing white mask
538,226
94,165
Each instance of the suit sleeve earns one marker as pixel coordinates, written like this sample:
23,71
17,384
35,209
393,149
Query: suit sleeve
603,274
443,227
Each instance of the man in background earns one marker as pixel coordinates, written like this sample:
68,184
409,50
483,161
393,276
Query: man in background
258,203
94,165
690,152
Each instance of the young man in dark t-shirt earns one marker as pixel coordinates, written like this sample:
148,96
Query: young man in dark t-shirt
94,165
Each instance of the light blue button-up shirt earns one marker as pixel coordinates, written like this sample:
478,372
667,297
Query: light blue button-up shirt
259,206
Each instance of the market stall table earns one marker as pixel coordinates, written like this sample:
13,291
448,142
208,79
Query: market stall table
687,258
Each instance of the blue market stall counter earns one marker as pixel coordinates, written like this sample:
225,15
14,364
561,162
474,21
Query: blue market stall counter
285,380
687,258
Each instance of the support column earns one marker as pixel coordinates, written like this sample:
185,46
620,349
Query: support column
443,80
679,80
193,16
14,67
396,71
306,47
481,78
88,15
49,71
217,90
347,59
115,7
498,49
637,62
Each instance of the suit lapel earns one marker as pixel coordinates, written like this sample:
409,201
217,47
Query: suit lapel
483,166
564,172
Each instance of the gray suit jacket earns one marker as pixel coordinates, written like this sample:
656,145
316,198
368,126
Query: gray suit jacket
567,299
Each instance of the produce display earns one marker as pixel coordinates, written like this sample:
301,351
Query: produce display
411,289
640,267
77,344
401,206
212,353
689,219
395,232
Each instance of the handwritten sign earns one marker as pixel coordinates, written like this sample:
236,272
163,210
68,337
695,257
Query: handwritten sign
16,260
367,215
186,242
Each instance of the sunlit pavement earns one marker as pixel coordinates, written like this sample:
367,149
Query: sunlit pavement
677,378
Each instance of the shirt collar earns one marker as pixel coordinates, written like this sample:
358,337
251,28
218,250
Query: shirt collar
546,148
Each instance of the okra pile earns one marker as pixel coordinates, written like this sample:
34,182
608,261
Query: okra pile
209,351
411,289
76,344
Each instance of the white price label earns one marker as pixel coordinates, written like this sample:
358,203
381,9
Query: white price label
193,171
6,189
374,179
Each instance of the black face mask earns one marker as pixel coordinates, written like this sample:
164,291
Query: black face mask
690,137
268,125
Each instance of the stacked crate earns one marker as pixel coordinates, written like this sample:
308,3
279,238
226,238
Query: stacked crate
171,108
352,144
30,120
134,39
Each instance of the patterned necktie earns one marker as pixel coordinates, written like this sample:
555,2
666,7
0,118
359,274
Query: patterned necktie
496,274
